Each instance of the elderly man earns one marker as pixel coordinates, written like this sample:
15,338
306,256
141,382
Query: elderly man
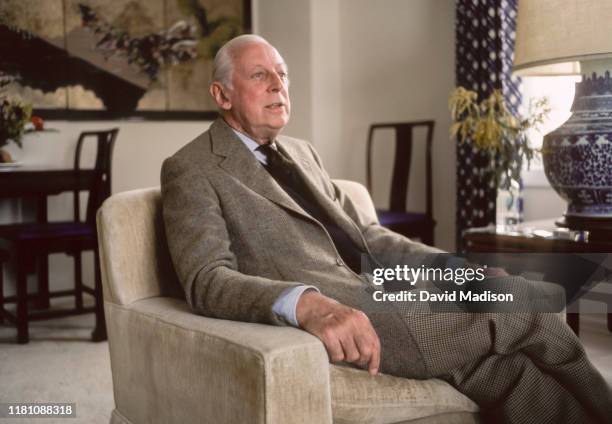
258,232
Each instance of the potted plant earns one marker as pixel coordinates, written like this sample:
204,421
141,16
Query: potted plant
489,125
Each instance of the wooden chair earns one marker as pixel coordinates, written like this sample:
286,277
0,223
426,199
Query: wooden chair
397,218
29,244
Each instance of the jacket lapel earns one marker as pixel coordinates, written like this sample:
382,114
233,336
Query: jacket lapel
243,165
329,206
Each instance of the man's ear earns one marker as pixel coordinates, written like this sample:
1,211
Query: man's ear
217,91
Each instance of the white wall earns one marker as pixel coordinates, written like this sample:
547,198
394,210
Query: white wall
327,100
397,61
287,25
352,62
139,150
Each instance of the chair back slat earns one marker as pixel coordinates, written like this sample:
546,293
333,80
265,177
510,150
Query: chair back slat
401,168
101,187
402,162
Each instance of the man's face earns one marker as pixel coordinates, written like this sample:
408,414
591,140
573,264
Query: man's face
258,104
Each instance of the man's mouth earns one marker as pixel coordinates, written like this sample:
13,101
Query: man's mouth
275,105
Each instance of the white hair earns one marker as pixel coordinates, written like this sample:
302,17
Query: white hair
223,64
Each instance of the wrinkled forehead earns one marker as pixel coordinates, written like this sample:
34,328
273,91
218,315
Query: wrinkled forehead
256,54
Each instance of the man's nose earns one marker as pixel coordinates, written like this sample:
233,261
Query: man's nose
276,83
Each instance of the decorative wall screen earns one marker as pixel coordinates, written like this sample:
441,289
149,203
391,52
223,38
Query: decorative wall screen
104,59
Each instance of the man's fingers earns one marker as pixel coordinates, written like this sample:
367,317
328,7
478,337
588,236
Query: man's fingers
369,347
365,351
352,353
333,346
374,364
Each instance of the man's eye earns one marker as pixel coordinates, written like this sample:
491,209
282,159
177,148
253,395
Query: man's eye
283,75
258,75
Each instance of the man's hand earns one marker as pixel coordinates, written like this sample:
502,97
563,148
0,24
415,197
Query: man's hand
346,333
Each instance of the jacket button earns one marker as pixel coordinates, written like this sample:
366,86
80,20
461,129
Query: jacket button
339,262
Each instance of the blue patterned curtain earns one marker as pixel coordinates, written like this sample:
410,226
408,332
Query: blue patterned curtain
485,32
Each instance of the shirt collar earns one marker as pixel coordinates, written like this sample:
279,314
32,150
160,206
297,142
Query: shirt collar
252,145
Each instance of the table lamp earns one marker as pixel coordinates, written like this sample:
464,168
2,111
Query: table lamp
565,37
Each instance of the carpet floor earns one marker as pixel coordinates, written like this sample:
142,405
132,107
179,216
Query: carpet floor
60,364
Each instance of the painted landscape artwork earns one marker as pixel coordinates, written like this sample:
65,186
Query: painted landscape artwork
101,59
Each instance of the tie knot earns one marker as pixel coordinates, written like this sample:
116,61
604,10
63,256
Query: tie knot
268,149
274,156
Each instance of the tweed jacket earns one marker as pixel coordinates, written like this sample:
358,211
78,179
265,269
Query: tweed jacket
237,239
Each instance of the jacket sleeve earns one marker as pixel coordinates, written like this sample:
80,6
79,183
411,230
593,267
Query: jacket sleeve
200,248
382,242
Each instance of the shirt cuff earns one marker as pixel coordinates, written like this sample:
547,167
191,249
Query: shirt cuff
286,303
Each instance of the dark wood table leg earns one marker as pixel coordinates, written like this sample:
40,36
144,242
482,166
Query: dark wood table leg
99,333
573,320
23,335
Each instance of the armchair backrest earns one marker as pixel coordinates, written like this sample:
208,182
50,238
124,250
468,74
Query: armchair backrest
133,250
360,196
134,253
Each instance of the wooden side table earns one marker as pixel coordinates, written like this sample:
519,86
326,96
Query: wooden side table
542,237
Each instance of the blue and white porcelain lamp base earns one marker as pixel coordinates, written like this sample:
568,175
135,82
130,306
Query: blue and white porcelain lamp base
578,155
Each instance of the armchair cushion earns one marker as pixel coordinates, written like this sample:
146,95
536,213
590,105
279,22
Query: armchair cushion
358,398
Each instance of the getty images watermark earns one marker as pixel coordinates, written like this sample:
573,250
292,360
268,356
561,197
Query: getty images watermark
413,275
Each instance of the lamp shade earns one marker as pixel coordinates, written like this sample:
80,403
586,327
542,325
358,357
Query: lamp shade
552,35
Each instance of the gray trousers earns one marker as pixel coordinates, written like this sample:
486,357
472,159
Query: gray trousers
518,367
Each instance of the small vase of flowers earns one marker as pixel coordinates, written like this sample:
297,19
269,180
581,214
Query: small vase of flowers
14,115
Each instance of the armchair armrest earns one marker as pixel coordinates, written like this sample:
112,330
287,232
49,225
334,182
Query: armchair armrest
170,365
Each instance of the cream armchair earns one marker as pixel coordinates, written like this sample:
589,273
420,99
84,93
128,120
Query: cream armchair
171,366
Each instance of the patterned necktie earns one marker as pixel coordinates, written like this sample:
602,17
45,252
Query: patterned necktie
283,168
